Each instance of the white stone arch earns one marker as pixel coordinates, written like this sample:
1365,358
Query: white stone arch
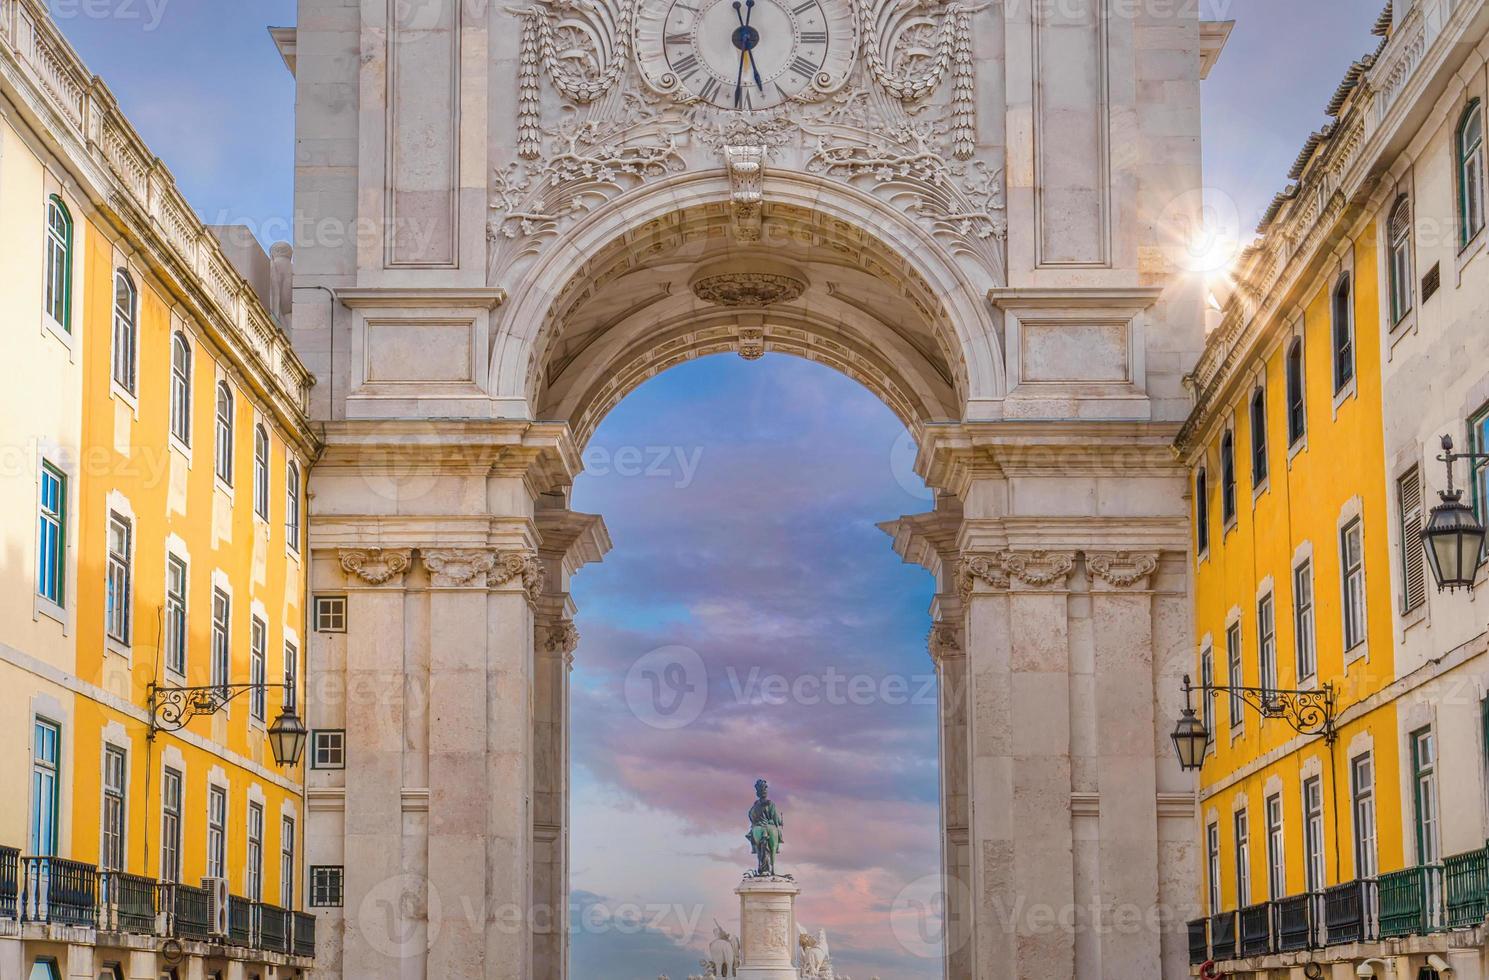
525,329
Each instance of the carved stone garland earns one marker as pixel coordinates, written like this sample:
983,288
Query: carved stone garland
375,566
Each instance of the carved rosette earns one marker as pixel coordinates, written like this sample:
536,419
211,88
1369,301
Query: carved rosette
458,568
375,566
985,569
557,639
751,290
1039,568
521,567
1122,569
945,642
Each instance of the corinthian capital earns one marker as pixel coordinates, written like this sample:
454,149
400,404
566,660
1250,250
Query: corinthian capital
557,639
457,567
1121,569
375,565
522,567
1039,568
945,642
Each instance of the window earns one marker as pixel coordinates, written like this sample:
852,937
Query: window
1212,865
1201,513
1243,860
253,875
51,535
1352,563
328,749
1266,642
1297,409
1228,477
58,298
291,675
175,615
126,330
1233,672
1400,266
258,636
222,614
1207,680
1413,559
1305,646
116,610
325,886
261,472
292,505
330,614
46,743
1424,794
1362,787
1344,336
224,433
170,825
112,858
287,863
216,832
1258,437
1276,870
181,388
1471,173
1313,833
1478,438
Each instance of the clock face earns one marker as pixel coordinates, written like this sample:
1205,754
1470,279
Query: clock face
746,54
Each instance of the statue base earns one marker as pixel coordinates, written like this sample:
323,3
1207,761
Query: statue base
767,928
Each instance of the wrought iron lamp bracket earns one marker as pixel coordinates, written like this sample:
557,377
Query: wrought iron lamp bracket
1307,711
172,708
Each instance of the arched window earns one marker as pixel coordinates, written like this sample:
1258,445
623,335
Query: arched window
1228,476
292,505
1344,335
58,298
224,433
1201,513
261,472
126,330
1297,413
1258,437
181,388
1400,269
1471,173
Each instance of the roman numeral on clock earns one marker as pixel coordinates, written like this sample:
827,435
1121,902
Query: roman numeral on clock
813,37
686,66
709,90
803,8
678,39
804,68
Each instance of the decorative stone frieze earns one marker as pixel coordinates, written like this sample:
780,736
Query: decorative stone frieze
985,568
523,566
457,568
375,566
1121,569
1039,568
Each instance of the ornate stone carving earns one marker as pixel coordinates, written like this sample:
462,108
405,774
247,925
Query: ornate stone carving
452,568
746,166
582,45
560,638
375,565
945,642
521,566
986,568
752,343
1121,569
749,284
1039,568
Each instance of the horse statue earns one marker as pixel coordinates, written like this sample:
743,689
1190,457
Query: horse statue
815,955
723,953
765,836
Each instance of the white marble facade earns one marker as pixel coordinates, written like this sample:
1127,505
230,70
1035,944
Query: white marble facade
514,213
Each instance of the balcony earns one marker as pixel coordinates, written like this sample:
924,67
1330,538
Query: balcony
1350,912
1466,877
1294,923
1223,936
1411,901
1256,930
1199,941
55,891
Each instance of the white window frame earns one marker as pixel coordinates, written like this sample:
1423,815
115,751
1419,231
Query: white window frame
177,614
126,339
182,360
118,614
258,669
261,455
222,633
1354,609
1313,833
1241,826
223,414
253,855
1305,622
171,826
1362,807
217,829
113,823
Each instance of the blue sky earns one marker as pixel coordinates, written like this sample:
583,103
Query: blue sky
745,545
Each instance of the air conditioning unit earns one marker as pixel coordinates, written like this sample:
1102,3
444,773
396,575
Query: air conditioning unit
217,898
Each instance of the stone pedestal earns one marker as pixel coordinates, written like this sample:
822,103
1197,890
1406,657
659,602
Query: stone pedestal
767,928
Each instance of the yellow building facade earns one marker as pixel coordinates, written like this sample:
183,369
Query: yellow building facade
163,449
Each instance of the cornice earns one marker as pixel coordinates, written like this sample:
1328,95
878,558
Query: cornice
543,453
1133,299
376,297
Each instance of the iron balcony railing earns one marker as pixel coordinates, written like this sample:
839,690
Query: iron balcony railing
1411,901
1199,941
10,882
1223,936
1292,923
1256,930
187,911
304,925
240,931
126,903
56,890
1350,912
1466,880
274,929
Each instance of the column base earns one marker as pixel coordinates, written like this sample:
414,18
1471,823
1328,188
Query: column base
767,928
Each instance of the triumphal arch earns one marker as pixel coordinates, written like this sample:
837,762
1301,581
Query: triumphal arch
513,212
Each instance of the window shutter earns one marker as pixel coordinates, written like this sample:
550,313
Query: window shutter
1413,571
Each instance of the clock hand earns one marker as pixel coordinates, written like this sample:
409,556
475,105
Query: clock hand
739,80
759,84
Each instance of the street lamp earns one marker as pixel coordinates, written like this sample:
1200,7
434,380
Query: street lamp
1453,537
1307,712
171,708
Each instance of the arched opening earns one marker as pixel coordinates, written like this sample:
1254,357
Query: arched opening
751,621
